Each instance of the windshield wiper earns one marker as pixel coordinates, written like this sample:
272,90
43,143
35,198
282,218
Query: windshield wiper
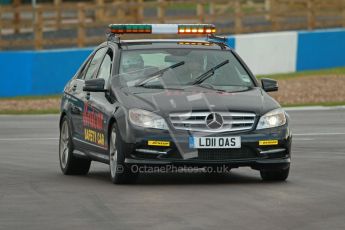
201,78
157,74
212,88
224,90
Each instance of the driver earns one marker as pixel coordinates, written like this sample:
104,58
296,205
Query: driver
132,67
132,63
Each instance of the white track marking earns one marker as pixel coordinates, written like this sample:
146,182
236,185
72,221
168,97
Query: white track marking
303,139
29,115
29,139
318,134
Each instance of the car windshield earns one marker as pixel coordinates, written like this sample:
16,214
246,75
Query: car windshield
181,68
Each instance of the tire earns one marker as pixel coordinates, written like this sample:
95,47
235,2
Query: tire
70,164
277,175
120,173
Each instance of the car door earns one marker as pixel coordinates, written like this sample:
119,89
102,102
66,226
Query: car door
100,107
78,105
74,94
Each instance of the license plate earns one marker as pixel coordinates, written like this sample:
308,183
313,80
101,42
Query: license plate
215,142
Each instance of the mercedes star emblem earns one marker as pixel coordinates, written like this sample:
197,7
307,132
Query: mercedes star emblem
214,121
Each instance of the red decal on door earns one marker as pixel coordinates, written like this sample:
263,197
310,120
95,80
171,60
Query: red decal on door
92,118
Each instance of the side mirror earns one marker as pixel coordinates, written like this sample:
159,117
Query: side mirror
94,85
269,85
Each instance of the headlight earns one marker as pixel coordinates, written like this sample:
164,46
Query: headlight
146,119
272,119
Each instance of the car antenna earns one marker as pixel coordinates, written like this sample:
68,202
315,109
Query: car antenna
216,37
112,37
221,41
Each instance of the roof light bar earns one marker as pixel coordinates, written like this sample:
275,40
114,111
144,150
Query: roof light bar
130,29
162,28
197,29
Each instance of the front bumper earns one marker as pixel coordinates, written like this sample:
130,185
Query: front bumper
251,153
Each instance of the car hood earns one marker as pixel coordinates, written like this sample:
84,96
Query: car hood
165,101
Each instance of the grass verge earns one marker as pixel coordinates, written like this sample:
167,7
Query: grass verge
30,105
23,98
337,103
29,111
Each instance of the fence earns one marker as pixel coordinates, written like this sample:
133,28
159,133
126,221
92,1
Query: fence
83,24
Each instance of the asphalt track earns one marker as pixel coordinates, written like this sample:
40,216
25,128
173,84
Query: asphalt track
35,195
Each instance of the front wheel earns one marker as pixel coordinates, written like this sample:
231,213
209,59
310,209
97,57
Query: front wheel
70,164
120,173
275,175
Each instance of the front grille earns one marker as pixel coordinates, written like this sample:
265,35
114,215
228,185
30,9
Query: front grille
196,121
226,154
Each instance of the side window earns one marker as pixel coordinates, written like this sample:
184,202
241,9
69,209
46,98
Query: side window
84,69
96,60
106,66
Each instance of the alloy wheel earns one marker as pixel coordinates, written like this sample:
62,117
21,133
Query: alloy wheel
64,145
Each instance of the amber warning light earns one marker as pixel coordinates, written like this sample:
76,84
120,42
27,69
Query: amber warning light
162,28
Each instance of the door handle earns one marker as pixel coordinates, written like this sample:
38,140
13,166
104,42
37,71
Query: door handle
75,109
87,96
